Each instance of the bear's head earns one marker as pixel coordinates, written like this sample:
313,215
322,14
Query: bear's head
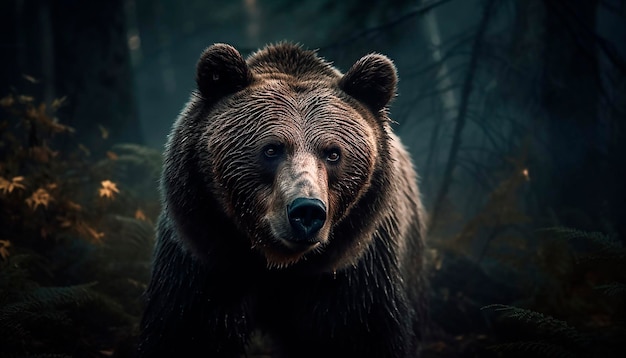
293,154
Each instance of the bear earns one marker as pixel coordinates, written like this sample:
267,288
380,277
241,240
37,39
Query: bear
290,209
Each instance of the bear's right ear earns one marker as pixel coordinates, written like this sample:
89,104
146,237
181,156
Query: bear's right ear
221,71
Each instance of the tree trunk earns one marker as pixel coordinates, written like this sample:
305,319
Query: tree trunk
93,69
449,102
571,183
76,49
461,115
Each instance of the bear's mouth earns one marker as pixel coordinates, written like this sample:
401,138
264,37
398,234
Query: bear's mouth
283,249
300,246
282,253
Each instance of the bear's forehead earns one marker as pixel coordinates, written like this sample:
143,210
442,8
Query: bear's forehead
303,98
292,108
287,84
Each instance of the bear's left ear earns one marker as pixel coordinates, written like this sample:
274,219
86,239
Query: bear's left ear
372,80
221,71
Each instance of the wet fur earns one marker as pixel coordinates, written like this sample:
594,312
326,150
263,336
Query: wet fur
361,294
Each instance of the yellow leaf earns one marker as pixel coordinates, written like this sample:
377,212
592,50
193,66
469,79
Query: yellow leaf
94,234
73,206
42,154
39,198
58,102
25,99
7,101
108,189
103,131
30,78
65,224
112,155
84,149
4,246
8,186
16,184
4,185
139,215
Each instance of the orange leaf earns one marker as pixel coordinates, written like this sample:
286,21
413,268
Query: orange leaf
25,99
30,78
58,102
39,198
103,131
64,222
4,246
73,206
109,189
4,185
16,184
139,215
112,155
7,101
93,233
84,149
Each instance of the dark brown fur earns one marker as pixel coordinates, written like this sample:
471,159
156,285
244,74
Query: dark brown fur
223,266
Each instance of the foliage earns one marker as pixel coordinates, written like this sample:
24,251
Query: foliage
37,319
76,235
592,298
482,262
562,289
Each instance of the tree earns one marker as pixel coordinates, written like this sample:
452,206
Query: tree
75,49
569,95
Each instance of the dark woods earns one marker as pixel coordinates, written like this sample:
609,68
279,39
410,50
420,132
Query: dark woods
513,111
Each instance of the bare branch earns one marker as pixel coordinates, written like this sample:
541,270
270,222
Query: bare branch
419,10
462,113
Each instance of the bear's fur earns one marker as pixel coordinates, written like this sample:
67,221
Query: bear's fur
339,276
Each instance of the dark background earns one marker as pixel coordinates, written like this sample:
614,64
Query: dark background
514,112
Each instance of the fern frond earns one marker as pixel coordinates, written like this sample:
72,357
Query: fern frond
547,325
42,305
612,289
133,234
605,242
57,296
42,355
132,156
605,257
534,349
14,278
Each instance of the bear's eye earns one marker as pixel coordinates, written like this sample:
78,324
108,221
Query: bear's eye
333,155
272,151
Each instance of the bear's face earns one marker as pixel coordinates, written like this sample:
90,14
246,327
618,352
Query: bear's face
290,150
295,161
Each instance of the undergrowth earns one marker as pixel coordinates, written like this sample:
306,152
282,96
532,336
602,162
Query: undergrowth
76,236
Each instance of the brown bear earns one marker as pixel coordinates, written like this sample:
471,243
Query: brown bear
289,208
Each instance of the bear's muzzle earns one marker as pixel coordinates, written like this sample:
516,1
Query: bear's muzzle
306,217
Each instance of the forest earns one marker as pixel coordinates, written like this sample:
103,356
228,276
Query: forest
514,112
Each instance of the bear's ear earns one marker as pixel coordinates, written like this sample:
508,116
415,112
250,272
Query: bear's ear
372,80
221,71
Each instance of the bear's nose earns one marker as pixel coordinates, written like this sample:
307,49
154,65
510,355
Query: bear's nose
306,216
